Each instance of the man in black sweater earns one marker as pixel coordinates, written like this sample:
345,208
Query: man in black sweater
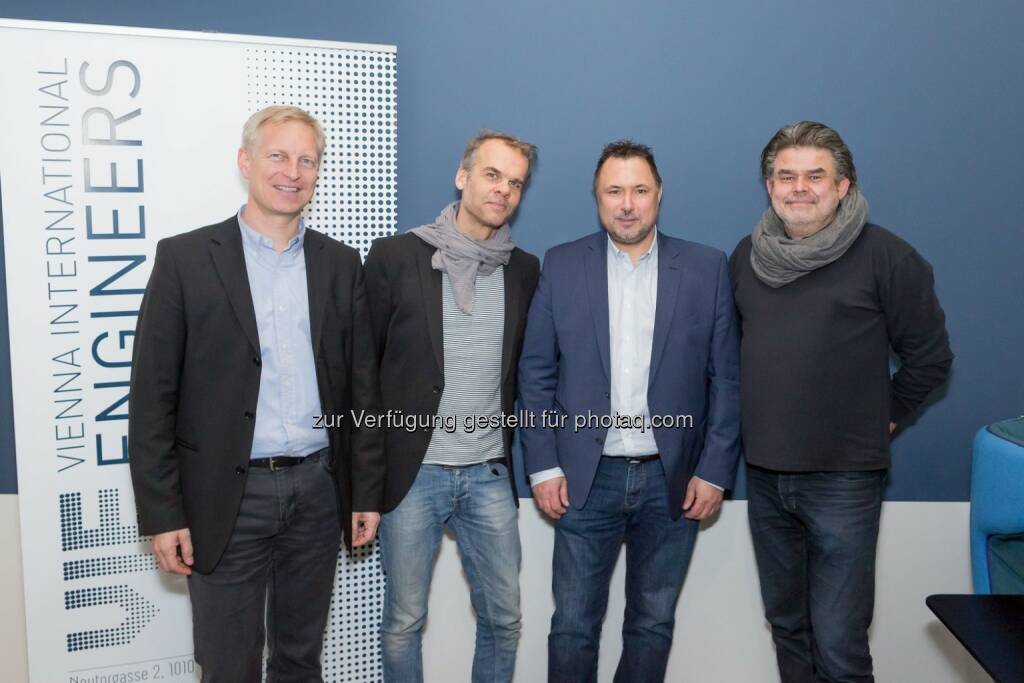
822,296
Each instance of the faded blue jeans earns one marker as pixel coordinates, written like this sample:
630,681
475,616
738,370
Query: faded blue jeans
628,503
815,535
476,502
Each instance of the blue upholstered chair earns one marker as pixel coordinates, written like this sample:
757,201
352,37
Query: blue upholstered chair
997,493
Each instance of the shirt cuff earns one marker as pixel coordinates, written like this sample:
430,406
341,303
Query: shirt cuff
545,475
720,488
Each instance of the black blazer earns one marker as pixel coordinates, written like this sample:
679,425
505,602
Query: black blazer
196,376
405,304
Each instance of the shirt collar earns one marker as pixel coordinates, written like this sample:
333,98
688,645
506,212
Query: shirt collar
617,253
258,241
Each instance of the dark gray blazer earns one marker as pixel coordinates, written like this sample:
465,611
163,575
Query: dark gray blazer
405,304
196,376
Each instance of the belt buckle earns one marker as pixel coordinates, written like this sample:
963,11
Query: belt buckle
270,464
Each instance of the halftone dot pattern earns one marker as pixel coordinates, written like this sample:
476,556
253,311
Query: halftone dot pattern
137,613
353,94
352,643
110,530
108,566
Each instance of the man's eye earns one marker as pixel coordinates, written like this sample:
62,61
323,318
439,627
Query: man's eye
491,174
515,184
642,190
276,156
815,178
308,163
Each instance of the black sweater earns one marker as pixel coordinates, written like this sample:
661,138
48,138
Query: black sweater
814,366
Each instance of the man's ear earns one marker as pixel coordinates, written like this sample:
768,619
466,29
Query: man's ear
244,160
460,178
844,187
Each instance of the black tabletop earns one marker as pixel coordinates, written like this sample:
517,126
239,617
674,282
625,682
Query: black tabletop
991,627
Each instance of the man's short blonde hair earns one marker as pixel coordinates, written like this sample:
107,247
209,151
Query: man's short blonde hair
281,114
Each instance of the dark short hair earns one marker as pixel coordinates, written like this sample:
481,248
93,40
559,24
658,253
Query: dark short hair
809,134
627,149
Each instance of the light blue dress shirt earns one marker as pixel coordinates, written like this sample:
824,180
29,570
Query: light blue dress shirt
632,302
288,396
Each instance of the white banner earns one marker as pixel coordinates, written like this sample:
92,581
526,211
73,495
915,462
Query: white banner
112,139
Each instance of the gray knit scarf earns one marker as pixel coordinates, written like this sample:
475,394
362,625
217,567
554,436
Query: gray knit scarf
462,257
777,259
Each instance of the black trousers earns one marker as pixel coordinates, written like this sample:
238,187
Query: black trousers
273,584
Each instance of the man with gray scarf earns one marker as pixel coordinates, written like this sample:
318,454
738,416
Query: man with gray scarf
822,296
448,301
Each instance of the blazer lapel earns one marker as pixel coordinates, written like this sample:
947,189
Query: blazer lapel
318,277
669,271
596,267
229,261
430,285
513,319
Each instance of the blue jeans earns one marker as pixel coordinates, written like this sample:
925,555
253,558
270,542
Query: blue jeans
476,502
815,535
628,503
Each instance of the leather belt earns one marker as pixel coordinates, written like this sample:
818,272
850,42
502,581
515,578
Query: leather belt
636,460
280,462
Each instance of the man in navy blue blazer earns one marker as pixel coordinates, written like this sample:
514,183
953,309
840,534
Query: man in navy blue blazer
631,367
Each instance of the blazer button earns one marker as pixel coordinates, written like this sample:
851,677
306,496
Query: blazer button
437,389
249,415
239,470
256,361
598,439
606,394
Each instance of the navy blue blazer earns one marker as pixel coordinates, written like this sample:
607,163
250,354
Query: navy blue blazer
564,366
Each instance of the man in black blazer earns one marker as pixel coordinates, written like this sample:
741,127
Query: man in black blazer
449,303
248,330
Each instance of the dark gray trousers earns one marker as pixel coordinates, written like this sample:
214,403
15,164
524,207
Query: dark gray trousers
278,569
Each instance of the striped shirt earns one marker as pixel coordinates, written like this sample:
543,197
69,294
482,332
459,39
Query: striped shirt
472,374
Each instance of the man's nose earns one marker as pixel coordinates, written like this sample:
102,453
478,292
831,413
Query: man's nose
800,184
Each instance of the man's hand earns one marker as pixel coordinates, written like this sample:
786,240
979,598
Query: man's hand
892,427
552,497
364,527
702,499
173,551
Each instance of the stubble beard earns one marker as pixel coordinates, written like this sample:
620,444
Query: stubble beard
629,239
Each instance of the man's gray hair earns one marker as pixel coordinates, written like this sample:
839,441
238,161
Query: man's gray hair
810,134
525,148
281,114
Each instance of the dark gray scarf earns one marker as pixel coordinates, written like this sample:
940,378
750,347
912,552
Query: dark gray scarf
777,259
461,256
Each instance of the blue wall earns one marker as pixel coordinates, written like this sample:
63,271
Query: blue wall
929,97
